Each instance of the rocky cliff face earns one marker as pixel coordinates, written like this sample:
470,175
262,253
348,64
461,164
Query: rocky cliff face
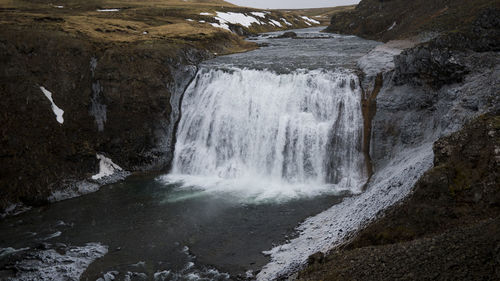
116,100
386,20
447,229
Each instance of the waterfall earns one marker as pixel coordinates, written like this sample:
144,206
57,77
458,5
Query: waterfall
271,135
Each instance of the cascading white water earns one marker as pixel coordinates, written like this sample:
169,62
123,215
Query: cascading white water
269,135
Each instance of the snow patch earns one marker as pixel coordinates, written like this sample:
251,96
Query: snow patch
205,14
14,209
73,190
7,251
259,14
310,20
51,265
57,111
392,26
236,18
108,10
276,23
106,167
221,25
189,19
286,22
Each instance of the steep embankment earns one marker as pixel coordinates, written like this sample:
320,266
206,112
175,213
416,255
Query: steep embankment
447,227
116,70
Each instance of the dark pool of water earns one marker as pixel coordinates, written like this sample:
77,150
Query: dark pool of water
148,232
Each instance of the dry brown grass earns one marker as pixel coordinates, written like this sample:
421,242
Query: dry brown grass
136,21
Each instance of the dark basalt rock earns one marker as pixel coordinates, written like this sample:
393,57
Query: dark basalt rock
116,101
476,21
439,61
288,34
427,65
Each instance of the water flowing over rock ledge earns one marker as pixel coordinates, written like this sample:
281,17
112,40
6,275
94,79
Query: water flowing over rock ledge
301,129
409,119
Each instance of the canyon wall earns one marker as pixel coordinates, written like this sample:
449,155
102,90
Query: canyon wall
116,100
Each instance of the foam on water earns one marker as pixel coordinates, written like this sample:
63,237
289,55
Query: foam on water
262,135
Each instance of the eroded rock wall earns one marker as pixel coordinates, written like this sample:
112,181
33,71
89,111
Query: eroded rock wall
116,102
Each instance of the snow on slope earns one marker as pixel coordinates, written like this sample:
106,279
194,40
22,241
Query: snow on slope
310,20
106,167
51,265
57,111
236,18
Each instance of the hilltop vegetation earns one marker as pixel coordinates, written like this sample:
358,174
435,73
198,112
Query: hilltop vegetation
131,21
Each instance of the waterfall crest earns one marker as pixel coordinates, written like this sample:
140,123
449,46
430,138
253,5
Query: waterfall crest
271,135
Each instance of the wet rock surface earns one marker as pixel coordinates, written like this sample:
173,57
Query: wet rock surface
50,262
289,34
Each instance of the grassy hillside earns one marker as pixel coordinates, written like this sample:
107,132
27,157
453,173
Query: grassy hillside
130,21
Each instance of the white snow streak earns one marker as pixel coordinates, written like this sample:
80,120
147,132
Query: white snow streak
286,22
108,10
57,111
51,265
106,167
310,20
259,14
392,26
276,23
